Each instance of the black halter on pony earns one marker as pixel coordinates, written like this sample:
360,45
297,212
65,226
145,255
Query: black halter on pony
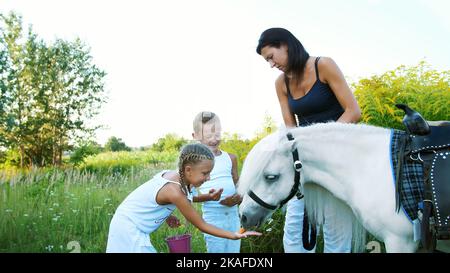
307,244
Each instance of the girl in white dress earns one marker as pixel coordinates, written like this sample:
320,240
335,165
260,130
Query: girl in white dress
148,206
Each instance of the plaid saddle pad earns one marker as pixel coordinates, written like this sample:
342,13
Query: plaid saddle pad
411,178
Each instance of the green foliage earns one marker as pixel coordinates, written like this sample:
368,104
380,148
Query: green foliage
48,92
84,150
11,158
43,210
272,239
125,162
170,142
235,144
422,88
115,144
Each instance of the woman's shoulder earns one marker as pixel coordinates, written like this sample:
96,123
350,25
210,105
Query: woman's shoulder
326,63
328,69
280,83
280,79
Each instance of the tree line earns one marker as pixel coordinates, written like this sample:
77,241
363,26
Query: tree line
48,92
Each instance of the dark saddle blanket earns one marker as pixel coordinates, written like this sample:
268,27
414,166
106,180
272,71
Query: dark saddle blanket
433,149
411,178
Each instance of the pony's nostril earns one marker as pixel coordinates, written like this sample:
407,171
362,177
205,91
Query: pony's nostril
243,219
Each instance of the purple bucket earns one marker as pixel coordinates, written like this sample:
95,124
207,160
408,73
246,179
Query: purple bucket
179,243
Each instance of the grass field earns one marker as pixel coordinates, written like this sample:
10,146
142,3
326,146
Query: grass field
69,210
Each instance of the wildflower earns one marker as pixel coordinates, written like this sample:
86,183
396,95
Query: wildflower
25,215
49,248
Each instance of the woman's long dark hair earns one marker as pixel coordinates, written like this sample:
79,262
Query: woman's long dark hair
297,55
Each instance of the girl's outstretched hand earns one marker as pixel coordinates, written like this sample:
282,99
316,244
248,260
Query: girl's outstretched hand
244,234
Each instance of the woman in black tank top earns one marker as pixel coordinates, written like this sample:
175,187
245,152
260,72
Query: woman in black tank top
310,90
313,90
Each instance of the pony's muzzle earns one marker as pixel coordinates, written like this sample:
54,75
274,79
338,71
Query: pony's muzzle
252,219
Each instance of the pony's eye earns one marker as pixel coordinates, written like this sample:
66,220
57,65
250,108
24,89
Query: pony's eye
271,177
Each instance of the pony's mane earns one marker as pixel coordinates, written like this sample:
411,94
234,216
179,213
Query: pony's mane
325,129
263,151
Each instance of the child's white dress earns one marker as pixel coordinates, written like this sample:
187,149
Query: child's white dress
138,216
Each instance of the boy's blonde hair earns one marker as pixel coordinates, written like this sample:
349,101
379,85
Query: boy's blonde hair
192,154
202,118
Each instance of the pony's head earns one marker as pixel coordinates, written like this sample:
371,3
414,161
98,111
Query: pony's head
267,178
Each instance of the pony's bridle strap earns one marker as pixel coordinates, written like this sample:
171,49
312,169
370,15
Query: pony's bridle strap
295,188
260,201
297,167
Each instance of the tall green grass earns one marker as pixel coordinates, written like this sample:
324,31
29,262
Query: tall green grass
44,211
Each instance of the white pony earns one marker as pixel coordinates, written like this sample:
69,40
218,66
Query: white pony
352,162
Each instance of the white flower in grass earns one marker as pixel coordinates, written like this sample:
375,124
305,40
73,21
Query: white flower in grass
8,210
25,215
49,248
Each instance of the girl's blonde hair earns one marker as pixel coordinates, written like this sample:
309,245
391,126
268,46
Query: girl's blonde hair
192,154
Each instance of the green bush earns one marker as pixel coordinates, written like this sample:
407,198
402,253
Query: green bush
422,88
124,162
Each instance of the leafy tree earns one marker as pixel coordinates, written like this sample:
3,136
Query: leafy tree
170,142
84,150
49,91
422,88
115,144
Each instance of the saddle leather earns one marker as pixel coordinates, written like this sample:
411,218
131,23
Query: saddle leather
440,181
413,121
438,138
430,145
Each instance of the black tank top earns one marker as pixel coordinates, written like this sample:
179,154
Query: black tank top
318,105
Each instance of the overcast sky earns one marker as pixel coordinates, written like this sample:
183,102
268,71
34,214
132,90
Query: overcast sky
168,60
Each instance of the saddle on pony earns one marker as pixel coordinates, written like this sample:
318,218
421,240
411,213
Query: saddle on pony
429,143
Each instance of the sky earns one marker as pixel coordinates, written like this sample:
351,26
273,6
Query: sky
168,60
